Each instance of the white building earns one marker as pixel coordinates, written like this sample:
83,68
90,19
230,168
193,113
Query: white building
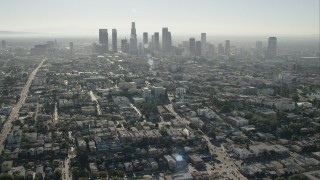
180,91
242,153
170,161
146,94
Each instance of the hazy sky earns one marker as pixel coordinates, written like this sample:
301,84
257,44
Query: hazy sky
216,17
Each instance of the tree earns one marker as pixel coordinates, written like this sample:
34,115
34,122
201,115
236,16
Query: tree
212,134
297,177
58,174
163,131
116,178
192,126
117,173
286,132
95,175
225,109
6,176
83,158
103,174
75,173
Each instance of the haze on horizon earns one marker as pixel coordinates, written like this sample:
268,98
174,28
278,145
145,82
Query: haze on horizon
232,17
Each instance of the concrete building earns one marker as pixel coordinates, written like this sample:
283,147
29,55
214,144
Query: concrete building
210,50
124,46
192,46
166,40
103,40
272,47
204,50
198,48
133,39
114,41
156,41
171,163
227,48
145,38
220,49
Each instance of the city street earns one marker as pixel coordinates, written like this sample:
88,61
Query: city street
227,165
15,110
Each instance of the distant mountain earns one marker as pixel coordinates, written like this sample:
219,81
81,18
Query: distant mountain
14,32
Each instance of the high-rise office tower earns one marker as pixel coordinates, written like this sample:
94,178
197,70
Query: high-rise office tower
103,40
198,48
3,44
166,40
151,43
220,49
227,48
133,39
203,44
145,38
124,46
169,42
114,41
192,46
272,47
156,41
71,48
210,50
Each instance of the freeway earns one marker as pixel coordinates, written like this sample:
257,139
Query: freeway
15,110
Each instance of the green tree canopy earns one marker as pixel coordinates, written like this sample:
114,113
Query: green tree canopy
6,176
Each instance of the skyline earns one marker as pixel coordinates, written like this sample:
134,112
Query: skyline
213,17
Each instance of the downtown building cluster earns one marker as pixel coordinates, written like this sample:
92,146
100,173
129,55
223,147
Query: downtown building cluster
192,48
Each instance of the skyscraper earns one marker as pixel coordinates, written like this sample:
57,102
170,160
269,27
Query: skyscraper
169,41
156,41
203,44
272,47
192,46
164,38
210,50
114,41
133,39
124,46
227,48
220,49
145,38
103,40
198,48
